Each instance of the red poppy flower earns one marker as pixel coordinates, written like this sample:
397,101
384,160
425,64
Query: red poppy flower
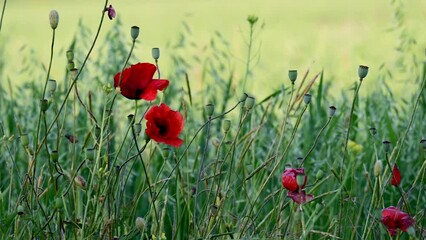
289,181
393,218
300,197
164,125
137,83
396,176
111,12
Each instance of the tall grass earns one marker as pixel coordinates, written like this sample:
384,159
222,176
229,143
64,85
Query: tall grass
76,166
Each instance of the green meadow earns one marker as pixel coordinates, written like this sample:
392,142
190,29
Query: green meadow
186,119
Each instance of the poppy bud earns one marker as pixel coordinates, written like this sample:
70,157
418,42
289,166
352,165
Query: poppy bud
44,105
70,55
131,118
209,109
53,19
319,175
54,156
331,111
51,85
373,131
155,53
166,152
140,223
226,125
292,75
387,145
378,167
134,32
307,98
20,210
249,103
362,71
80,181
138,128
25,140
90,154
423,143
74,72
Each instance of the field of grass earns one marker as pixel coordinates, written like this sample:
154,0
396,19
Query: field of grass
262,154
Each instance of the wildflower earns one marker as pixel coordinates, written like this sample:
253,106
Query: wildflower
300,196
393,218
354,147
396,176
111,12
136,82
164,125
289,180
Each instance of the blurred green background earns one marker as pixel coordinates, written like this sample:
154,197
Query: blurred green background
334,35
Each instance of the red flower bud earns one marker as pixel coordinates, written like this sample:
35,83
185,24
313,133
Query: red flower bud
396,176
289,180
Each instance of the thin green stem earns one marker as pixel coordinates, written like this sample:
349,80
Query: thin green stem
2,13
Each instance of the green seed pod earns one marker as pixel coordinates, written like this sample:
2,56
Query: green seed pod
386,145
54,19
134,32
249,103
362,71
300,179
54,156
138,128
155,53
51,85
74,72
20,210
307,98
319,175
209,109
423,143
226,125
331,111
70,55
70,65
44,105
292,75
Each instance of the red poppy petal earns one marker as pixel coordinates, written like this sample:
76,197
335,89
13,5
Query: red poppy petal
396,178
150,92
142,74
300,197
126,74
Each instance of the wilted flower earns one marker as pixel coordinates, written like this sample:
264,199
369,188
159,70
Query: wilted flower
111,12
289,179
300,196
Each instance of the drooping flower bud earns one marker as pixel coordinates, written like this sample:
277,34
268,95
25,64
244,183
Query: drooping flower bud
307,98
155,53
134,32
331,111
54,19
292,75
362,71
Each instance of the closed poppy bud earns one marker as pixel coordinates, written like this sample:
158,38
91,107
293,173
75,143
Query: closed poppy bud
54,156
378,167
44,105
292,75
25,140
249,103
362,71
140,223
423,143
387,145
70,55
20,210
134,32
209,109
331,111
396,176
155,53
51,85
54,19
80,181
90,154
307,98
226,125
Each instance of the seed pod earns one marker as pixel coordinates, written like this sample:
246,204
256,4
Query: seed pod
292,75
54,19
134,32
362,71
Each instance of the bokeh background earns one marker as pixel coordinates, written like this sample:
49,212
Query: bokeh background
334,35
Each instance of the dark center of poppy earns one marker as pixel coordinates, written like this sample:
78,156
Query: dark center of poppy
162,128
138,92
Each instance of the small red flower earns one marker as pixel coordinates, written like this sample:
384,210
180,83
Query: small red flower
300,197
111,12
137,83
164,125
396,176
289,181
393,218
